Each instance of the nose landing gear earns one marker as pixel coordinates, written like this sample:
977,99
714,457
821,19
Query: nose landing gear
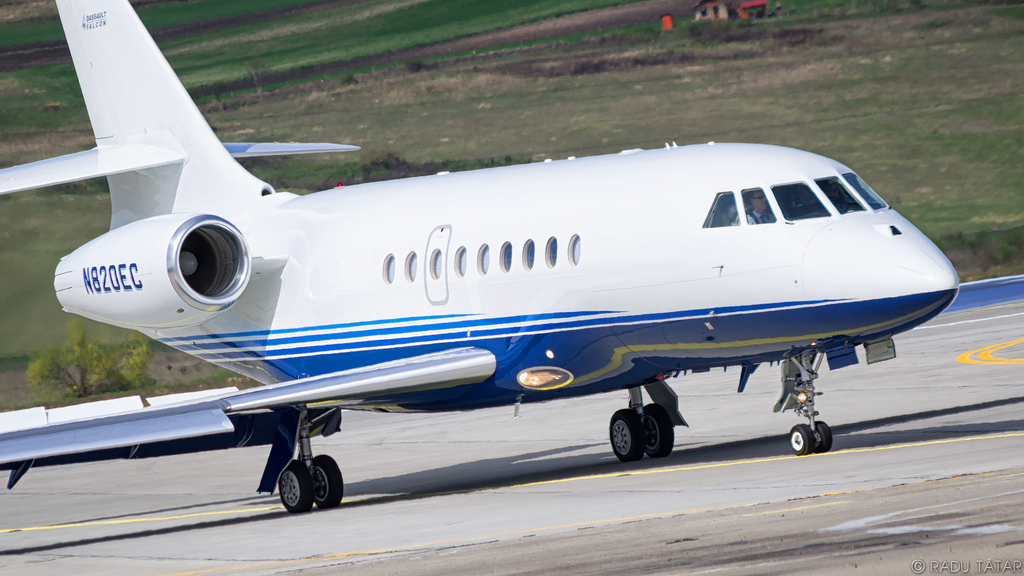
798,393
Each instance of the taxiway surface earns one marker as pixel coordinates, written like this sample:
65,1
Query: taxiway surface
928,466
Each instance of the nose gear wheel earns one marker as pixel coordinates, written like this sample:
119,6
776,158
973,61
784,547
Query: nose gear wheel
798,393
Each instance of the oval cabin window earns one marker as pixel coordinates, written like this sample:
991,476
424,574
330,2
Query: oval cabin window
574,250
551,252
460,262
389,269
528,254
436,265
505,257
483,259
410,267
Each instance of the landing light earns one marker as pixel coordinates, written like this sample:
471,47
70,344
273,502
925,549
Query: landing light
802,397
544,378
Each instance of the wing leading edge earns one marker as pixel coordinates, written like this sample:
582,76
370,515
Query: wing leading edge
18,449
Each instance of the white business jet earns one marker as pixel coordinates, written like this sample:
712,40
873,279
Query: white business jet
455,291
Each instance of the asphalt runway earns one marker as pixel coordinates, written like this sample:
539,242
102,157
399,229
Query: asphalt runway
928,466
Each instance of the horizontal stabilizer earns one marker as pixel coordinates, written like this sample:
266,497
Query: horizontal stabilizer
93,163
254,149
121,431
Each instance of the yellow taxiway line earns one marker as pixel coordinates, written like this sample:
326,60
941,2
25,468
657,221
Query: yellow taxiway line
985,355
622,474
467,539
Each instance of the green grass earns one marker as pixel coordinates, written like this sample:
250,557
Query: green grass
37,230
347,32
153,16
932,116
1011,11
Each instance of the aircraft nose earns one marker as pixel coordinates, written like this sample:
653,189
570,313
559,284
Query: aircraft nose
874,256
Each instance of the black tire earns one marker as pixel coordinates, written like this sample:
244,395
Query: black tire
627,435
801,440
328,486
296,488
661,434
824,434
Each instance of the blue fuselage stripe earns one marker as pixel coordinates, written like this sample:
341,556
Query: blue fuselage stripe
477,328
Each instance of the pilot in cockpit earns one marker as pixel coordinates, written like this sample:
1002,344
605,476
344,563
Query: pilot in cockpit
756,206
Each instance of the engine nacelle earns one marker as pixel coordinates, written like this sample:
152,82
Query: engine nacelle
170,270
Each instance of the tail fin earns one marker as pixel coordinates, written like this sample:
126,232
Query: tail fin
135,99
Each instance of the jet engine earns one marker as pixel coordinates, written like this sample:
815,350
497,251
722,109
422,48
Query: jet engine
165,271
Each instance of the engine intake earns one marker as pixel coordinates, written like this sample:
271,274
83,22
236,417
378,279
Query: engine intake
208,263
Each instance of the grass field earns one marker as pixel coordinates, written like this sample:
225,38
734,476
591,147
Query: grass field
40,24
927,105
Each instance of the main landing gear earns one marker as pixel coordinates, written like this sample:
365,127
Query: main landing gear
640,430
308,480
798,393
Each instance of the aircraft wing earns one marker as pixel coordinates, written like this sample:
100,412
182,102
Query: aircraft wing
207,417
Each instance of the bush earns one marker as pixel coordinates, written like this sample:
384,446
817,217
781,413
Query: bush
218,88
82,368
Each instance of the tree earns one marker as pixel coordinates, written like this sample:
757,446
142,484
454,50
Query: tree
81,368
218,88
257,69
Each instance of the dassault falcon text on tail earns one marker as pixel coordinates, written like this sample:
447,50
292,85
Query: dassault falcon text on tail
456,291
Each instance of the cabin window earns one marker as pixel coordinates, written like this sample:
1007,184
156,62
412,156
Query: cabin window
436,264
551,252
838,195
756,207
505,257
528,254
704,11
865,191
389,269
798,202
574,250
483,259
410,267
460,262
723,211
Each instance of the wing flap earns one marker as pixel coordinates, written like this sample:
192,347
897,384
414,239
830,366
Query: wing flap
110,432
254,149
93,163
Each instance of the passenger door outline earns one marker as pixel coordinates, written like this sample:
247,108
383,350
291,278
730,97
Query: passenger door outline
437,289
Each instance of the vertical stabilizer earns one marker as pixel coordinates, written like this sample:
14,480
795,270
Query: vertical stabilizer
135,99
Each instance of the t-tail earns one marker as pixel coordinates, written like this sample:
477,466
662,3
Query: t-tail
159,154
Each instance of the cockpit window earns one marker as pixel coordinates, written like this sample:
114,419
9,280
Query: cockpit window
798,202
838,195
865,191
756,207
723,211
